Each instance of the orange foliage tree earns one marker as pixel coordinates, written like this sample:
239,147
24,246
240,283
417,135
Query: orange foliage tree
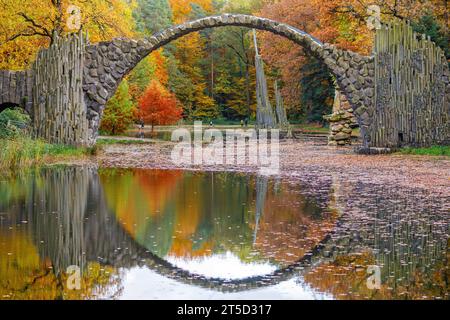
158,106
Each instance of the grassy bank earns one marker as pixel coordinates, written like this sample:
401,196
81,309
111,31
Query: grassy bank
431,151
311,129
18,150
23,152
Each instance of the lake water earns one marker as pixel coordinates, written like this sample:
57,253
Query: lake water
165,234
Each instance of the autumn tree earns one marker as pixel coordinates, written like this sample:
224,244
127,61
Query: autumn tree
288,58
119,112
151,68
157,106
26,26
238,57
187,79
342,23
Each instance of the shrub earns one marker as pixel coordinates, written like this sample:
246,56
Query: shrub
13,123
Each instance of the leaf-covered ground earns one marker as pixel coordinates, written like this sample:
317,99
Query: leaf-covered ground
303,159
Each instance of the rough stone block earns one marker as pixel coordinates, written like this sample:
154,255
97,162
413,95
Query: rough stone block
342,136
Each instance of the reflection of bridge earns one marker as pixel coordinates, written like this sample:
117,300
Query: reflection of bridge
75,231
133,254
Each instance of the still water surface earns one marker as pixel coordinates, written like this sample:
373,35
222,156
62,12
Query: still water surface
165,234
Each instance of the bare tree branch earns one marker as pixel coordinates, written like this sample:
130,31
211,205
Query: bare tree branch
236,51
35,24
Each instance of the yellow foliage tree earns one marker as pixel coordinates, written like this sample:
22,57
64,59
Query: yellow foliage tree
29,25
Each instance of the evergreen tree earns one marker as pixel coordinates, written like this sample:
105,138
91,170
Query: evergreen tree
428,24
140,78
152,16
316,92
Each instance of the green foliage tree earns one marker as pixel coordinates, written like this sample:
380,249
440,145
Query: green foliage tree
316,92
140,78
152,16
429,25
119,113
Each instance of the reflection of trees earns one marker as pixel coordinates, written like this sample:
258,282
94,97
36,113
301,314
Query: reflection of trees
141,200
261,193
10,189
67,219
292,224
99,239
194,214
197,215
404,231
59,220
55,208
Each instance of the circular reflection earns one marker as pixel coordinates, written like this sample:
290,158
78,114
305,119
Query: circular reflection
219,225
225,266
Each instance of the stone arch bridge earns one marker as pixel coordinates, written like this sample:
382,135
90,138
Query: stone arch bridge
67,101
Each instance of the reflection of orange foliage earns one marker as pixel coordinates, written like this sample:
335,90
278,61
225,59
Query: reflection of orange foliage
345,278
133,202
19,264
136,195
187,221
157,185
185,248
24,276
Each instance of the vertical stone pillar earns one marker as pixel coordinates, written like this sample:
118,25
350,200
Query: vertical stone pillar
59,109
342,121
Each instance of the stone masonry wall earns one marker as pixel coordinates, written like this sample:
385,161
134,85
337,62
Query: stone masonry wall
342,121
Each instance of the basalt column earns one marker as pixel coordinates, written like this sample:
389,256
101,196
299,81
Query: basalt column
59,109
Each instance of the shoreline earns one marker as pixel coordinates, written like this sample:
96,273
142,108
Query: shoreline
300,159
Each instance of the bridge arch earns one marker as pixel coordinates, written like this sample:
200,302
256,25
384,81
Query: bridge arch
16,89
8,105
107,63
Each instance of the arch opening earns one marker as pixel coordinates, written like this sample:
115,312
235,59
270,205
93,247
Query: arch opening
107,63
8,105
